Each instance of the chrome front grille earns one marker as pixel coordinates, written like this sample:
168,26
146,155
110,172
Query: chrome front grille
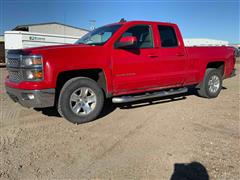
13,60
15,75
13,65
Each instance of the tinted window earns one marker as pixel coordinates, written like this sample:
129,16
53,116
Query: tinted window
143,34
168,36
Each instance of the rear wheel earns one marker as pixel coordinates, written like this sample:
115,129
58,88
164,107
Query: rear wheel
81,100
211,85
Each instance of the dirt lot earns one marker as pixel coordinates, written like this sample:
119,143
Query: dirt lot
187,137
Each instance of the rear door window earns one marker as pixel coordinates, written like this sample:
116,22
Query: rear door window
167,36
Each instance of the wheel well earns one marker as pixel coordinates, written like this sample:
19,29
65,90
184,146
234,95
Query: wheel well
217,65
95,74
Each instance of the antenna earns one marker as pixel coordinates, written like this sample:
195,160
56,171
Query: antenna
92,24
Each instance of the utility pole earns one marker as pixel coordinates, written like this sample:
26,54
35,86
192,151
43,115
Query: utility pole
92,24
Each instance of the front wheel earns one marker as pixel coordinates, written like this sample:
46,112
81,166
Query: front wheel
211,85
81,100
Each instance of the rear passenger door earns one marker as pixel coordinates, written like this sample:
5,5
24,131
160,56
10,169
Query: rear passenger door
172,57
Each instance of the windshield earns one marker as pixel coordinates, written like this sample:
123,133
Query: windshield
99,36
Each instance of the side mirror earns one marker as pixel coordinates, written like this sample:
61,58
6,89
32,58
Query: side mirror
126,42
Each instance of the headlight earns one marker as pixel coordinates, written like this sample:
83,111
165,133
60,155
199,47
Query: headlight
32,67
32,60
33,75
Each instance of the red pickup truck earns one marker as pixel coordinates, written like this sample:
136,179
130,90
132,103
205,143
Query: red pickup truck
125,61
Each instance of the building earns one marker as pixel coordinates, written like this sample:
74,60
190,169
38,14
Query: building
41,34
52,28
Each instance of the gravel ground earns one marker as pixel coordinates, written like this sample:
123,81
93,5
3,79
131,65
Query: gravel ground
185,137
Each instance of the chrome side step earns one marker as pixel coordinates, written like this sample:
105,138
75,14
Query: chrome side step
125,99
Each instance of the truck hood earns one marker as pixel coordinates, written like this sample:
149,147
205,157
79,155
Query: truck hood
78,54
55,47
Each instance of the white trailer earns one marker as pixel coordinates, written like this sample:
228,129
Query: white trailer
22,39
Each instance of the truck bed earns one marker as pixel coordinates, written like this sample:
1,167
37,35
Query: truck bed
199,56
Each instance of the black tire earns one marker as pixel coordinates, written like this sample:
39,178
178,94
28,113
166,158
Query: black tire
203,89
64,104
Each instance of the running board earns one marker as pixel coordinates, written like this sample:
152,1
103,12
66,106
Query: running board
125,99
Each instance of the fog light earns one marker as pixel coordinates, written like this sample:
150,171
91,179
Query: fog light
30,96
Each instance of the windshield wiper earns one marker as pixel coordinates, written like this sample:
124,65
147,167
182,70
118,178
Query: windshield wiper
95,44
79,43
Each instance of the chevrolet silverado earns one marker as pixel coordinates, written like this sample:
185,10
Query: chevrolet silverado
125,61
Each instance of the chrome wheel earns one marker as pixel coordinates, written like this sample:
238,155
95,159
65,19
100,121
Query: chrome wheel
214,84
83,101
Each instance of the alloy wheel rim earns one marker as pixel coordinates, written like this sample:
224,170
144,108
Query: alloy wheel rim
214,84
83,101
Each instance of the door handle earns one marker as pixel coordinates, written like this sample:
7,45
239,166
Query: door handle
152,55
179,54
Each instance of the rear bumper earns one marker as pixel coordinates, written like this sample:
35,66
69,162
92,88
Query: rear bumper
32,98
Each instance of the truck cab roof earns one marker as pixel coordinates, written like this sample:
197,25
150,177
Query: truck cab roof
143,22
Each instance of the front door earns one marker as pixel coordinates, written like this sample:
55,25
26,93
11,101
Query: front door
133,68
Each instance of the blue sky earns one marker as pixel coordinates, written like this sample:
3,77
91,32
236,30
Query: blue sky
196,19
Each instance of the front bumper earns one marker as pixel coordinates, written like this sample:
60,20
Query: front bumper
32,98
